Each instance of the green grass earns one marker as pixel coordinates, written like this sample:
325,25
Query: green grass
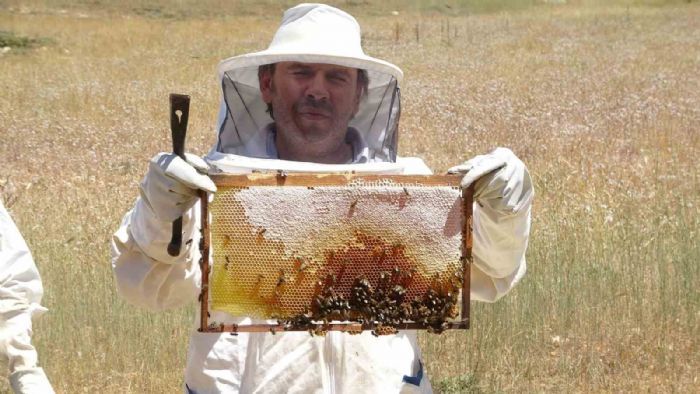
458,385
14,41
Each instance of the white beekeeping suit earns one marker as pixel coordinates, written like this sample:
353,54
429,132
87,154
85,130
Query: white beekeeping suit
295,362
20,297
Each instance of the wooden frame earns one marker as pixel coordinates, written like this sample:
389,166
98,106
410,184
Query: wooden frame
312,180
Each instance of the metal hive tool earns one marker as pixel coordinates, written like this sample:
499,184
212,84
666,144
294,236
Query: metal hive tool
337,252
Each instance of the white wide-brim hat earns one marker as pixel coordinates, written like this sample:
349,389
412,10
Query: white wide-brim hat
315,33
310,33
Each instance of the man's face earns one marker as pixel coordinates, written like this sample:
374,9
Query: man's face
312,105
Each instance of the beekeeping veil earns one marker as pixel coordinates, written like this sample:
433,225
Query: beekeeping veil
309,33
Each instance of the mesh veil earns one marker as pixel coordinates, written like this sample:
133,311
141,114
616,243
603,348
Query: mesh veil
243,116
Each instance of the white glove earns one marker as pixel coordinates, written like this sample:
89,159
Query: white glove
170,185
30,381
502,180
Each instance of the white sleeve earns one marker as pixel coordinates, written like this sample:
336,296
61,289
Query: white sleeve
501,234
20,296
500,242
30,381
146,275
20,284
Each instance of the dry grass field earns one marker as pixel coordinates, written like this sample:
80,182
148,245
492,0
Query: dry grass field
601,101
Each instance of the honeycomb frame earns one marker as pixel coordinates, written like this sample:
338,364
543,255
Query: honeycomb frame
327,308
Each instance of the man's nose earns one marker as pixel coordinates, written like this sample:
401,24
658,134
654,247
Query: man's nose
317,87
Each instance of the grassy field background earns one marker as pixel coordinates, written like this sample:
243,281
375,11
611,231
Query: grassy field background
600,99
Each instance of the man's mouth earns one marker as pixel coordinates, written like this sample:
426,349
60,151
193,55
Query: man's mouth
314,110
314,114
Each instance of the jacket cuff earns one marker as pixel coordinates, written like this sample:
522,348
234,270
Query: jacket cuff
30,381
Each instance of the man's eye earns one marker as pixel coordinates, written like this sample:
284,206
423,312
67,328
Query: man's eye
301,73
339,78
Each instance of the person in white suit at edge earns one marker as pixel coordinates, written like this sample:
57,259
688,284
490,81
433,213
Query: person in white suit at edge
312,101
20,297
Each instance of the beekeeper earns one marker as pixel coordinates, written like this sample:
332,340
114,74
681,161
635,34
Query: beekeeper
313,101
20,297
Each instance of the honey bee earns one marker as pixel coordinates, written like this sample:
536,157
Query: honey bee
380,253
281,279
396,249
260,236
452,311
227,240
300,264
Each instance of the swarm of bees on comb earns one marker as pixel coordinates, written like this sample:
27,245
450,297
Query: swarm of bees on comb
383,307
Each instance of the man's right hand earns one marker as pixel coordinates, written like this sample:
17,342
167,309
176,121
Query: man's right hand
170,185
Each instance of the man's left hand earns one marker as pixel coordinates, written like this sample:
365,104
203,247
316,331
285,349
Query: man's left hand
502,180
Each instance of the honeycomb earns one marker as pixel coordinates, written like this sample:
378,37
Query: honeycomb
387,249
